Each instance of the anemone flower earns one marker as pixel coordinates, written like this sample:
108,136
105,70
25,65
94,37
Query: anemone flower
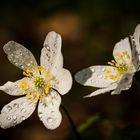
41,85
118,75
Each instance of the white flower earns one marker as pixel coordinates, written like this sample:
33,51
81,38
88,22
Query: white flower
42,84
119,75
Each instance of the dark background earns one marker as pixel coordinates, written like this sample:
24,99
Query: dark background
89,31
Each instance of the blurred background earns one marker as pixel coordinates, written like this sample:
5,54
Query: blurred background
89,30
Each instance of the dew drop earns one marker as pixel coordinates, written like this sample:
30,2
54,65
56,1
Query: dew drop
15,122
14,117
52,113
16,105
40,114
103,69
22,67
9,107
23,110
49,120
47,47
93,70
28,64
23,118
93,81
8,118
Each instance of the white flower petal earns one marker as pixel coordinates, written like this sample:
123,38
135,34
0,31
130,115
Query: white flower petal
48,110
12,88
64,81
19,55
16,111
95,76
102,90
124,84
51,55
137,38
135,55
120,47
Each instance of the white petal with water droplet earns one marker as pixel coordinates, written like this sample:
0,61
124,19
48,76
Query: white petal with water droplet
63,81
19,55
95,78
102,90
12,115
12,88
120,48
50,115
51,55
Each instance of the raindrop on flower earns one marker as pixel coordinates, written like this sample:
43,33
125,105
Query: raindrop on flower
93,70
9,107
16,105
49,120
23,118
8,118
52,113
14,117
23,110
103,69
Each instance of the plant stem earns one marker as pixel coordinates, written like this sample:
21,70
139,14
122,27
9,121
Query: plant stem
77,135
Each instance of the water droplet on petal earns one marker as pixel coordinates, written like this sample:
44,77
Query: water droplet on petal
40,114
28,64
52,113
22,67
49,120
93,70
9,107
23,110
14,117
8,118
23,118
15,122
93,81
103,69
16,105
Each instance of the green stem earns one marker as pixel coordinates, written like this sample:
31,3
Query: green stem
92,119
77,135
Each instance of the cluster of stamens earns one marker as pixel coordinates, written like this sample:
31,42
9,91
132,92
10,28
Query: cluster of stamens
122,66
41,82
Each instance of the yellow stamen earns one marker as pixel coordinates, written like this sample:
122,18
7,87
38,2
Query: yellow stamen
41,82
122,66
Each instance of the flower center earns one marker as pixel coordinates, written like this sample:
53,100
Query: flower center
39,84
122,66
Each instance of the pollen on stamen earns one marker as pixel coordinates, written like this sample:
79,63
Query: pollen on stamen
39,82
